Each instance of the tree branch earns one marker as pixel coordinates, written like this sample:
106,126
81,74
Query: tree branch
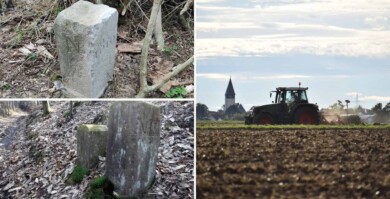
144,88
186,7
166,78
147,40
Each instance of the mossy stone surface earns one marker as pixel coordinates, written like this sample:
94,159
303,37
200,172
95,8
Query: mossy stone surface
91,143
132,146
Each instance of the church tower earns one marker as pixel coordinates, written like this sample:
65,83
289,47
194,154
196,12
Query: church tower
230,95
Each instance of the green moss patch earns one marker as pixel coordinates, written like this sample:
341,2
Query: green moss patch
93,128
77,175
37,154
39,157
32,135
100,188
66,114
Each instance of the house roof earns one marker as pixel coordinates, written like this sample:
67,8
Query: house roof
230,90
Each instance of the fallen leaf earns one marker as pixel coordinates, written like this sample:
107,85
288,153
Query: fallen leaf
41,41
51,90
25,51
42,51
15,189
167,86
123,35
161,69
49,188
8,186
129,48
30,46
190,88
49,27
179,167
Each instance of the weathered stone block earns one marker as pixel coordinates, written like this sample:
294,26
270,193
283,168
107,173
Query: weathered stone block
86,40
132,146
91,142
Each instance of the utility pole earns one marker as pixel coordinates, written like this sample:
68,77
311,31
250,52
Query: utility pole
347,101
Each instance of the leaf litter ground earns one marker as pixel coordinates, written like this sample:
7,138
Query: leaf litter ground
42,154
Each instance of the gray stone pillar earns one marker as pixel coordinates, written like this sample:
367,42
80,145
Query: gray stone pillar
91,142
132,147
86,41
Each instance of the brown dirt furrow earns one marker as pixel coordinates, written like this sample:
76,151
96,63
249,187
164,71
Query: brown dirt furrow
293,163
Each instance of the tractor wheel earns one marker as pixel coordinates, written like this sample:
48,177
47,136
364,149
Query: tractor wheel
263,118
306,115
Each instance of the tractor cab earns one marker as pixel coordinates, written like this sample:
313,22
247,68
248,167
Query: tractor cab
290,95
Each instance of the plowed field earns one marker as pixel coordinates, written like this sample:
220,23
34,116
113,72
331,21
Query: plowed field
293,163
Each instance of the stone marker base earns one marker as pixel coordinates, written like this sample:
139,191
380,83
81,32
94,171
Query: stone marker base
132,146
70,93
86,37
91,143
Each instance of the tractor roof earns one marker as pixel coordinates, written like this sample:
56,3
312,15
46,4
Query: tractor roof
292,88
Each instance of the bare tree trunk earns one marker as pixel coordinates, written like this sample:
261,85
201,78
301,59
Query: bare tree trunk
146,44
71,110
46,108
144,87
158,32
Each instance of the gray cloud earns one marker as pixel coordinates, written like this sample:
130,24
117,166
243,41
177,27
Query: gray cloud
348,28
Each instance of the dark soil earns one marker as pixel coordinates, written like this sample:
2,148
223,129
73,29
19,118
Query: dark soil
293,163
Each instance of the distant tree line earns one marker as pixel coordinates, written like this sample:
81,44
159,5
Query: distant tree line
382,113
234,112
202,111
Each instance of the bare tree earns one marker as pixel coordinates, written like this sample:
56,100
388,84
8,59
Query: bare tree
158,32
71,109
46,108
144,87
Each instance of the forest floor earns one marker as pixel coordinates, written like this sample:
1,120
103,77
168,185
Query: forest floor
9,129
38,163
9,120
31,75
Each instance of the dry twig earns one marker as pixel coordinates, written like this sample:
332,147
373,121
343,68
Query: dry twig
144,87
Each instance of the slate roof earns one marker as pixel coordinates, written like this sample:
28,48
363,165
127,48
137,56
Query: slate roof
235,108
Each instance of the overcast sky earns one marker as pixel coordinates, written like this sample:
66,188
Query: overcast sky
336,48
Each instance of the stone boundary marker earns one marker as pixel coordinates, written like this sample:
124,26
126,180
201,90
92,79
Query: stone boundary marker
91,142
132,146
86,40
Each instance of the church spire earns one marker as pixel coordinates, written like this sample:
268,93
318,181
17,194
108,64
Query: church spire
230,90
